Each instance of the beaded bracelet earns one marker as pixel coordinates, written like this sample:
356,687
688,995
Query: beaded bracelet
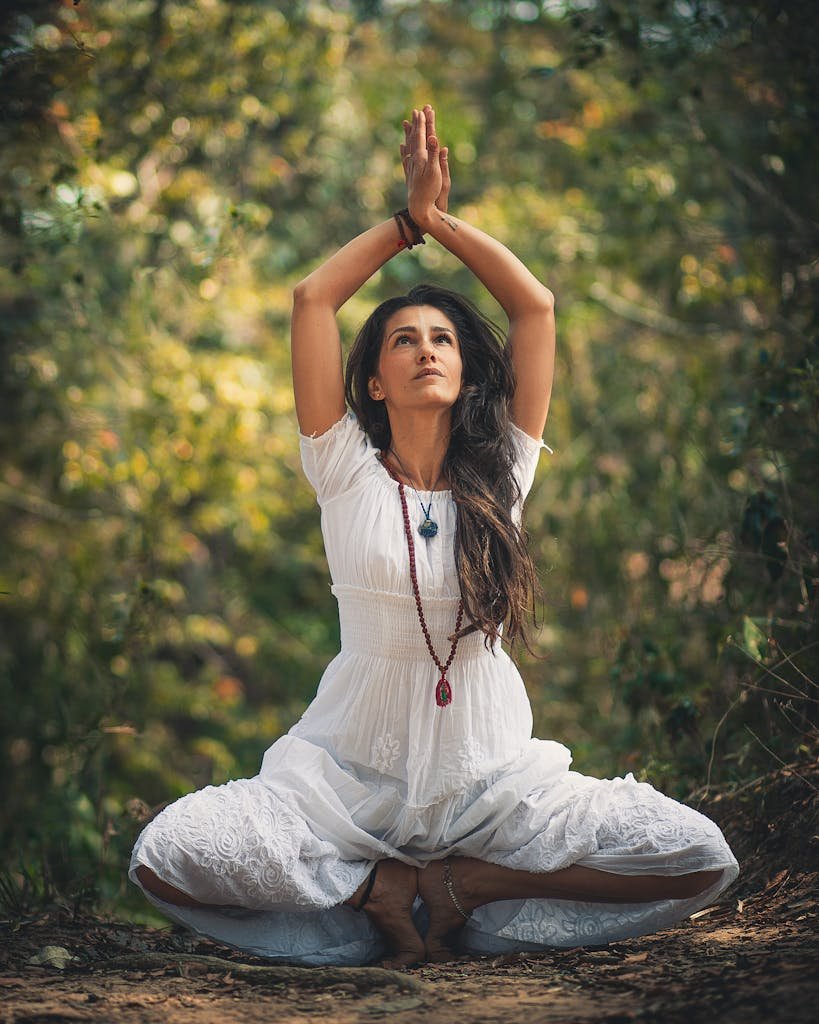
401,217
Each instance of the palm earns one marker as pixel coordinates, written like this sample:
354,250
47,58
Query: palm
426,165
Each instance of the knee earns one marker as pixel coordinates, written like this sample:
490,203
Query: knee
153,884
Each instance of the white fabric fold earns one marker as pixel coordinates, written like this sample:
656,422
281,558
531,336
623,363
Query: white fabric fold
375,769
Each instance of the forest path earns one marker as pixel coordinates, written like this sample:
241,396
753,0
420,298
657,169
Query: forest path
749,958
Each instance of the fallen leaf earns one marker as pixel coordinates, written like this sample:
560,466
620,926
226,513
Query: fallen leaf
52,956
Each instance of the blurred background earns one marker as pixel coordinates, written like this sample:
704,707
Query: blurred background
169,170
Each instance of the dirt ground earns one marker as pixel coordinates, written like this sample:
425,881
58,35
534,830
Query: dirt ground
751,957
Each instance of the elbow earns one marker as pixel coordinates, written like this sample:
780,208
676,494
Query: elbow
314,294
546,300
538,301
538,304
303,292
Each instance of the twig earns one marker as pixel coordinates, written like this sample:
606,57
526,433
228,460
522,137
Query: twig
364,978
788,658
700,794
798,695
799,727
785,682
652,318
751,182
776,757
720,724
45,509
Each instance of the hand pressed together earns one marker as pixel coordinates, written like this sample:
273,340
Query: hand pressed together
426,166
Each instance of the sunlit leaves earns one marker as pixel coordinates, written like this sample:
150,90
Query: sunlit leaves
170,171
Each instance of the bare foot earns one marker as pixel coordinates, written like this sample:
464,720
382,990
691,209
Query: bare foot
445,920
389,907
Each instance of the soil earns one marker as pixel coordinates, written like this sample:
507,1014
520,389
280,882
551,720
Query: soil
750,957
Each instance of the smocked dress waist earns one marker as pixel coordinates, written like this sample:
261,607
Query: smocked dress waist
386,625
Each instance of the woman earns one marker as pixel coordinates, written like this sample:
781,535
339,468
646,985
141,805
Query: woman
411,790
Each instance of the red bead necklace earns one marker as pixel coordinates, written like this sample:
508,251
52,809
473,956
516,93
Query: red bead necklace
443,691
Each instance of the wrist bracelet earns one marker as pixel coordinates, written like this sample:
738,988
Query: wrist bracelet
417,233
402,218
404,243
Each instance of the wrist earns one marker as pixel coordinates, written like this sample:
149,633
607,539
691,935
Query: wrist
433,218
424,217
411,234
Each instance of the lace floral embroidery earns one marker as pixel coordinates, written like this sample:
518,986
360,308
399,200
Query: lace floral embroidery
470,756
384,753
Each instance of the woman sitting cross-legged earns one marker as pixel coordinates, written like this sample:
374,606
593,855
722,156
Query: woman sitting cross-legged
411,790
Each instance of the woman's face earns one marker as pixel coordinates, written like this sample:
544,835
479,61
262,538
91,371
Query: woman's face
420,364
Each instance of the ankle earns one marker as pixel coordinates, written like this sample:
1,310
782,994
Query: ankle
456,898
361,896
474,880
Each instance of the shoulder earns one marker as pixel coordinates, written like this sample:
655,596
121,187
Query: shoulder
525,444
334,460
526,451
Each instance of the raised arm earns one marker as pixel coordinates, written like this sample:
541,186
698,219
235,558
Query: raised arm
528,304
315,344
318,378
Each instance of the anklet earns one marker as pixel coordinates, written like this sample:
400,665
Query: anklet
446,878
368,891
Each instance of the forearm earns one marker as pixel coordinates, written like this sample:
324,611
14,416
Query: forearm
340,277
514,286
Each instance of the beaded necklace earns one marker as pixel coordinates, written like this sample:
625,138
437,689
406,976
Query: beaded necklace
428,528
443,691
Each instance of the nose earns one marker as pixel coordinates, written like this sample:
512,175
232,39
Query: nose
426,351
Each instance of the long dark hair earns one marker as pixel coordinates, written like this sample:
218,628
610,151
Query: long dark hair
497,579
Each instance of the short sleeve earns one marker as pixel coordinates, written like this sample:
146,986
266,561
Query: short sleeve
336,460
527,451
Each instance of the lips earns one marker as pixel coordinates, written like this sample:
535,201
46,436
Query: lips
428,372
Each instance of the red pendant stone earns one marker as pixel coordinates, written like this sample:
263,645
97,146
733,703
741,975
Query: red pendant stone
443,693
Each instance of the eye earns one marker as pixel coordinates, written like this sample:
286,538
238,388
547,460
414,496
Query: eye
403,339
447,339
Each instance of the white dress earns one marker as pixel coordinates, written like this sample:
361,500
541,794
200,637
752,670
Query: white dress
376,769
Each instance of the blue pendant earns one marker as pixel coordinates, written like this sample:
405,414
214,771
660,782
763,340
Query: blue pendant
428,528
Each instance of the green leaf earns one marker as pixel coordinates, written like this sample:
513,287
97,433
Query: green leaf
754,640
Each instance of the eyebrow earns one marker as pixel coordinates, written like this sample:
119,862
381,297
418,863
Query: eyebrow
410,329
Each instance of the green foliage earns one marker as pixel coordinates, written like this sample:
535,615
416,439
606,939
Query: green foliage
171,169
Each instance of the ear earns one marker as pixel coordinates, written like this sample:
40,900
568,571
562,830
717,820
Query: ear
374,390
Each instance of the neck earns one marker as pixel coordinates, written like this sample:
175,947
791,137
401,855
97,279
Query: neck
420,447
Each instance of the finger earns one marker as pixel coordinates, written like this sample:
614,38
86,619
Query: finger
430,116
445,175
420,141
406,146
442,202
